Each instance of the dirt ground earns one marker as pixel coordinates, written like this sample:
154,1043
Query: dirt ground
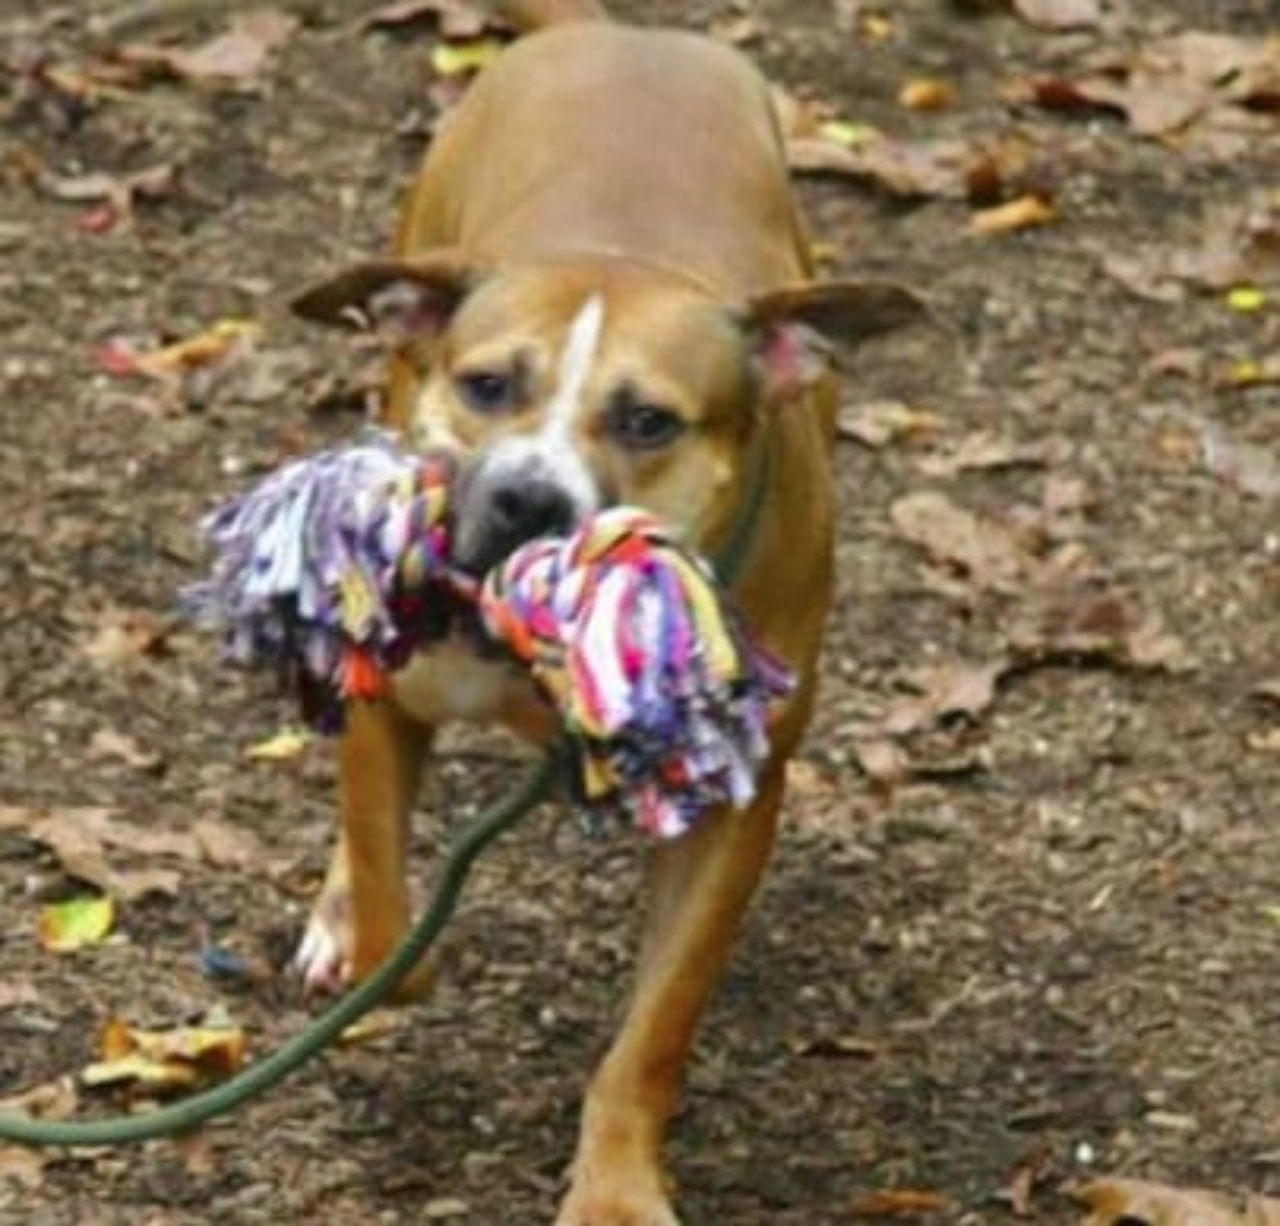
1021,929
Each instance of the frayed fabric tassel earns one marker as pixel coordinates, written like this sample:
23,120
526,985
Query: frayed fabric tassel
660,690
322,566
337,568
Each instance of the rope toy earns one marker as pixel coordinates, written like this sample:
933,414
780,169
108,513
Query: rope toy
336,569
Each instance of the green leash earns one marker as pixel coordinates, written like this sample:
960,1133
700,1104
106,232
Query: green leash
455,865
190,1113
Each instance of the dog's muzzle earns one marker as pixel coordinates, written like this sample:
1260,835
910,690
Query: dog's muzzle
497,512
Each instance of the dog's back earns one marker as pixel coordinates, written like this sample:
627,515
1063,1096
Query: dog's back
696,175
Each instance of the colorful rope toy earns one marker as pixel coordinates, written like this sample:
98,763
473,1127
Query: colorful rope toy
336,569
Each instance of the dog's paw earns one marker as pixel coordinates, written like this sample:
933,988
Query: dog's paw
596,1204
323,959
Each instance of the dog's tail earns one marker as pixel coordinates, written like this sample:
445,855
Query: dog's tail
528,15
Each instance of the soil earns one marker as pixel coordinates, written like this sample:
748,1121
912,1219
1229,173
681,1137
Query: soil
1042,946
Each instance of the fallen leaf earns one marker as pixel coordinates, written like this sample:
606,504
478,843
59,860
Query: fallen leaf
877,423
24,1166
222,339
1264,742
927,94
165,1061
906,169
1246,299
1248,372
117,194
1132,1202
458,59
1248,468
54,1100
981,450
884,762
1084,623
226,846
858,1046
236,58
983,551
1059,14
108,743
78,838
1170,84
456,20
283,746
1267,691
126,636
80,922
943,692
1018,214
16,993
898,1202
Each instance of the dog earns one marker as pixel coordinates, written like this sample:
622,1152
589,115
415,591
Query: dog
602,292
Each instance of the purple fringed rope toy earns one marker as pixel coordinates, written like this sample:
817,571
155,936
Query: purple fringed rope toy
336,569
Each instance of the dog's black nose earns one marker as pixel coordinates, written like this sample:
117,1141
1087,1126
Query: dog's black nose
525,509
500,513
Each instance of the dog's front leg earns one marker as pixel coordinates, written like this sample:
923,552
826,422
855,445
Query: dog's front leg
363,908
700,885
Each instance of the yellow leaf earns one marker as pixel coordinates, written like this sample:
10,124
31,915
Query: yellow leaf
875,27
177,1059
74,924
138,1068
926,94
287,743
199,350
453,59
1246,298
1017,214
848,134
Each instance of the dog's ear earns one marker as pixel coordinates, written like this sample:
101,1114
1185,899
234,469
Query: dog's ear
399,301
793,330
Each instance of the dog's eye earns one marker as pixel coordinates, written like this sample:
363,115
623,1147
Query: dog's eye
486,391
643,427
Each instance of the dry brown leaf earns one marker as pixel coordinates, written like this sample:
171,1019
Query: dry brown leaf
455,18
907,169
927,94
118,192
1165,87
18,992
226,846
1134,1201
884,762
877,423
944,691
898,1202
986,553
1059,14
109,743
236,58
1246,467
1267,691
1020,213
78,838
981,450
125,637
1085,623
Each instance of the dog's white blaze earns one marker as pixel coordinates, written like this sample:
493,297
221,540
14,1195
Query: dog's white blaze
552,448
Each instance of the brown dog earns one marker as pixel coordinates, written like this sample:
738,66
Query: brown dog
601,292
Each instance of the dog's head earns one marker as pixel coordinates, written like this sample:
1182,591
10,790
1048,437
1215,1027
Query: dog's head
578,383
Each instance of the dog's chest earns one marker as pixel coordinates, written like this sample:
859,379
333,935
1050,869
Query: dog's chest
450,683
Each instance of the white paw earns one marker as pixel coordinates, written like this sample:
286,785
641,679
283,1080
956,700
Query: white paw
321,961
